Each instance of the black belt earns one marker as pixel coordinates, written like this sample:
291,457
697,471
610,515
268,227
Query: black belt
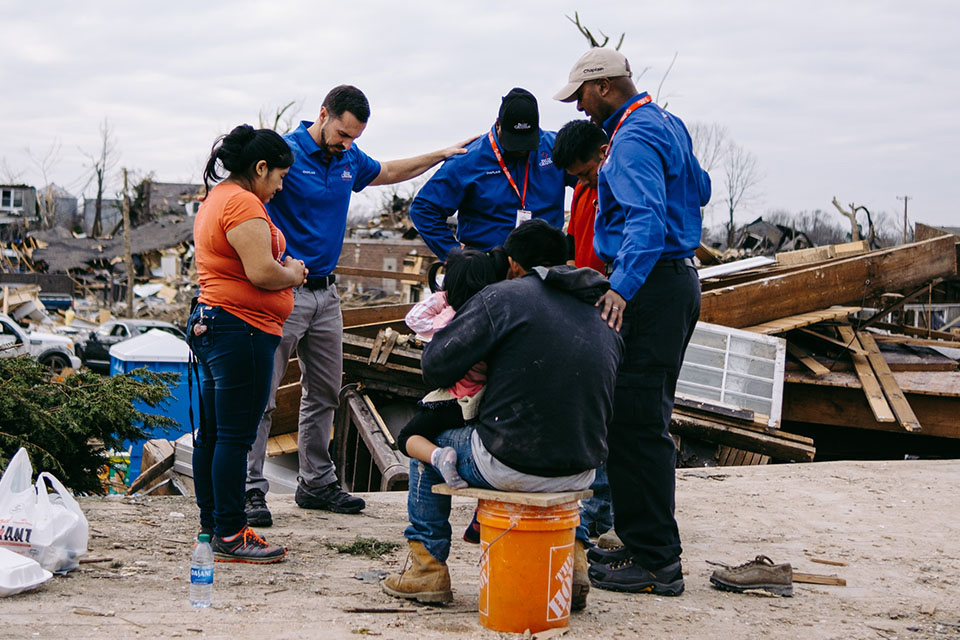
320,282
675,262
666,262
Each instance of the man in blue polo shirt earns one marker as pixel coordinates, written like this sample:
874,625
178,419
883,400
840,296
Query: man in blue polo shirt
311,210
505,178
651,188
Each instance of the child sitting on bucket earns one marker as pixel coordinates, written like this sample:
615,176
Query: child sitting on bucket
467,271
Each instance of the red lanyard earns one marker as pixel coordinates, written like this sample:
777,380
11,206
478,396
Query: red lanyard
526,175
636,105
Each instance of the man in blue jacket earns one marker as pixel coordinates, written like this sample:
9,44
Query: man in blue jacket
311,210
651,188
505,178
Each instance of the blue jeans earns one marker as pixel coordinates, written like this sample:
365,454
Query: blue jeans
597,510
429,512
236,365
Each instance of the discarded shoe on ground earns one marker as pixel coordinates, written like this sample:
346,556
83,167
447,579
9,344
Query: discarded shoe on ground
760,573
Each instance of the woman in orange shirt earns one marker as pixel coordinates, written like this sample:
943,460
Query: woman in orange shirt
245,296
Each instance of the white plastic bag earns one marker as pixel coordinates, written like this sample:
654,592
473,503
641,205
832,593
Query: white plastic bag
50,529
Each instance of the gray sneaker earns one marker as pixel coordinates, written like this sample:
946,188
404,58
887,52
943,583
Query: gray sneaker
258,515
328,498
759,573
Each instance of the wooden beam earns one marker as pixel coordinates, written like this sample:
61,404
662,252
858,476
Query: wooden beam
898,402
916,331
369,315
871,386
377,273
806,359
741,438
918,342
846,281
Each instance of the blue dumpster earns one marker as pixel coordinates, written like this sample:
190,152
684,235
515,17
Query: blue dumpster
159,352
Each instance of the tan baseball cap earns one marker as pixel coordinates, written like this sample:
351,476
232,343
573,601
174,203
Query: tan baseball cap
598,62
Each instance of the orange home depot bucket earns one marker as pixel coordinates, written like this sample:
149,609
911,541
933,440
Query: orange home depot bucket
526,567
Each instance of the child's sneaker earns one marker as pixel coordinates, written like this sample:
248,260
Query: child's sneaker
246,546
472,533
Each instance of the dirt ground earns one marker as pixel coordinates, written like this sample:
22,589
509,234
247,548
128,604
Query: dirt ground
894,524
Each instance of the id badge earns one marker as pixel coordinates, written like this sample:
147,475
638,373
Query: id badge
523,216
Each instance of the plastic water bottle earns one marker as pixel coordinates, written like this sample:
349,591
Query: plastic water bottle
201,573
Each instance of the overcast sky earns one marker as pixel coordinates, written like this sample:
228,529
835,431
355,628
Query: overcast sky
854,99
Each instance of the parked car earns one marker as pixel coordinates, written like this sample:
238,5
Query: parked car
51,350
95,350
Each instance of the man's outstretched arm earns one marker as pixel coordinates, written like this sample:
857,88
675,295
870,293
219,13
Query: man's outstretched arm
394,171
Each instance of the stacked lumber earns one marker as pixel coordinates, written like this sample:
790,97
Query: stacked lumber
849,364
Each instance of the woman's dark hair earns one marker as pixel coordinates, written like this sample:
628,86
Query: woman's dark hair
466,272
240,150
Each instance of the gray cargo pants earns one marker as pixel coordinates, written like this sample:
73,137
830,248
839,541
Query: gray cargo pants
315,329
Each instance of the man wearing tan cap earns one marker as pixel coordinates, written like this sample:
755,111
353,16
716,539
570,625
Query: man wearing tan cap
650,190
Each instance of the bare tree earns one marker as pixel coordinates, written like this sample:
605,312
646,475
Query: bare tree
743,176
45,163
709,143
851,215
589,36
8,174
101,165
284,118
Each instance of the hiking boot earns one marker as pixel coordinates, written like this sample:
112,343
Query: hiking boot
423,578
596,555
609,540
258,515
627,575
472,533
759,573
581,581
246,546
328,498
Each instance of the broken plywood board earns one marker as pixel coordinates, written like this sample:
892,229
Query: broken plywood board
769,444
734,267
782,325
895,397
868,379
734,368
845,281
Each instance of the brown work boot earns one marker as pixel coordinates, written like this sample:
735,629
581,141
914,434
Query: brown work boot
581,581
423,578
609,540
759,573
